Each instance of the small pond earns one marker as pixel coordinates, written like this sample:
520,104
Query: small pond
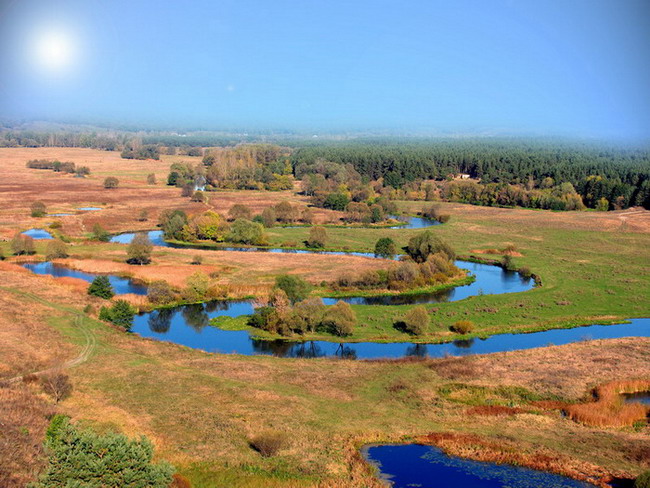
412,222
639,397
120,285
89,209
155,236
38,234
411,465
60,214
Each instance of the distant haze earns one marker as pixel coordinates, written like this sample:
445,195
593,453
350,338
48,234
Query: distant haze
553,67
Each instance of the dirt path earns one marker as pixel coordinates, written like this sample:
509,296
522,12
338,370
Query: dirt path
90,339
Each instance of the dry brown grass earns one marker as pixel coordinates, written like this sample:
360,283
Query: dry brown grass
609,409
629,220
63,193
23,422
503,451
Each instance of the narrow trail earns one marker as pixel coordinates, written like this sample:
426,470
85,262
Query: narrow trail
90,339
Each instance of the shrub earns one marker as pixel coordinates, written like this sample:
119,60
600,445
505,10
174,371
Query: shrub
172,223
285,212
268,217
643,480
22,245
151,179
196,287
89,309
385,248
111,182
602,205
525,272
143,216
139,250
101,287
506,262
239,211
269,443
38,209
307,216
296,288
340,319
199,196
160,293
247,232
85,458
187,190
56,249
197,260
444,218
317,237
416,320
100,234
462,327
57,385
426,243
121,314
82,171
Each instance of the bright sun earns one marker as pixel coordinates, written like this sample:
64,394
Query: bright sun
54,51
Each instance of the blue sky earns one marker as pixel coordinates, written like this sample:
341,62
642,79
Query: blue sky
576,67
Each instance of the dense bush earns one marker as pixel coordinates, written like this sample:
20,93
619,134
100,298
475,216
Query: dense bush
151,179
385,248
22,245
38,209
340,319
462,327
111,182
268,217
246,232
100,234
121,313
82,458
196,287
296,288
56,249
239,211
101,287
416,320
160,293
317,237
172,223
139,250
426,243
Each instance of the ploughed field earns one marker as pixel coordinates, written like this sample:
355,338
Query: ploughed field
201,410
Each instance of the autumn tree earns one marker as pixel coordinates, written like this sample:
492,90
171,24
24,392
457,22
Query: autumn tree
139,250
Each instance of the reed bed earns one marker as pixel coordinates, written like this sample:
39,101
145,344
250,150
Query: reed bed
609,409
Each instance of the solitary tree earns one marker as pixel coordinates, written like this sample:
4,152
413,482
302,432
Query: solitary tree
111,182
121,314
247,232
295,287
416,320
317,237
101,287
151,179
269,217
38,209
57,385
139,250
385,248
56,249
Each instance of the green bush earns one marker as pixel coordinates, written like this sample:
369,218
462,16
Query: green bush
295,287
643,480
101,287
269,443
121,314
111,182
83,458
160,293
340,319
100,234
38,209
139,250
385,248
246,232
421,246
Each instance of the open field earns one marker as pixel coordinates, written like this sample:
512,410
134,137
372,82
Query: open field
63,193
201,409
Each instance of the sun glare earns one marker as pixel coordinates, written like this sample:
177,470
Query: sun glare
54,51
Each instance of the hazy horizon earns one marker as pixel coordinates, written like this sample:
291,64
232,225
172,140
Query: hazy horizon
467,68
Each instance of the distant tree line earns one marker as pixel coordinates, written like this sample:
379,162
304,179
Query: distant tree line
621,176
